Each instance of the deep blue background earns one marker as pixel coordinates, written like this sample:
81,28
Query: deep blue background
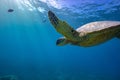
27,41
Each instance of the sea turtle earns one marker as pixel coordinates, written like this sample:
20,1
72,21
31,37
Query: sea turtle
90,34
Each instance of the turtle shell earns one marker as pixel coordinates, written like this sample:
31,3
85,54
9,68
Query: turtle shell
98,32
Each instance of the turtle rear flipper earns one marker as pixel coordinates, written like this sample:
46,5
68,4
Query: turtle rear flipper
118,36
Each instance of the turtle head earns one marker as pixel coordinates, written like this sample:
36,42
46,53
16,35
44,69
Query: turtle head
63,28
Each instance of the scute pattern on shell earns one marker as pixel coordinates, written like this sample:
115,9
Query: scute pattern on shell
97,26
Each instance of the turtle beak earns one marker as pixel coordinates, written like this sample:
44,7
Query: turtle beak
52,17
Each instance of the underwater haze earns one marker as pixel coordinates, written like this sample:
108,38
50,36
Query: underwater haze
28,47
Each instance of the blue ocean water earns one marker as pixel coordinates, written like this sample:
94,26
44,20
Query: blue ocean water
28,41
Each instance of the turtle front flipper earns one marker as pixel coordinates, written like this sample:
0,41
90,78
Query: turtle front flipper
63,28
53,19
62,41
